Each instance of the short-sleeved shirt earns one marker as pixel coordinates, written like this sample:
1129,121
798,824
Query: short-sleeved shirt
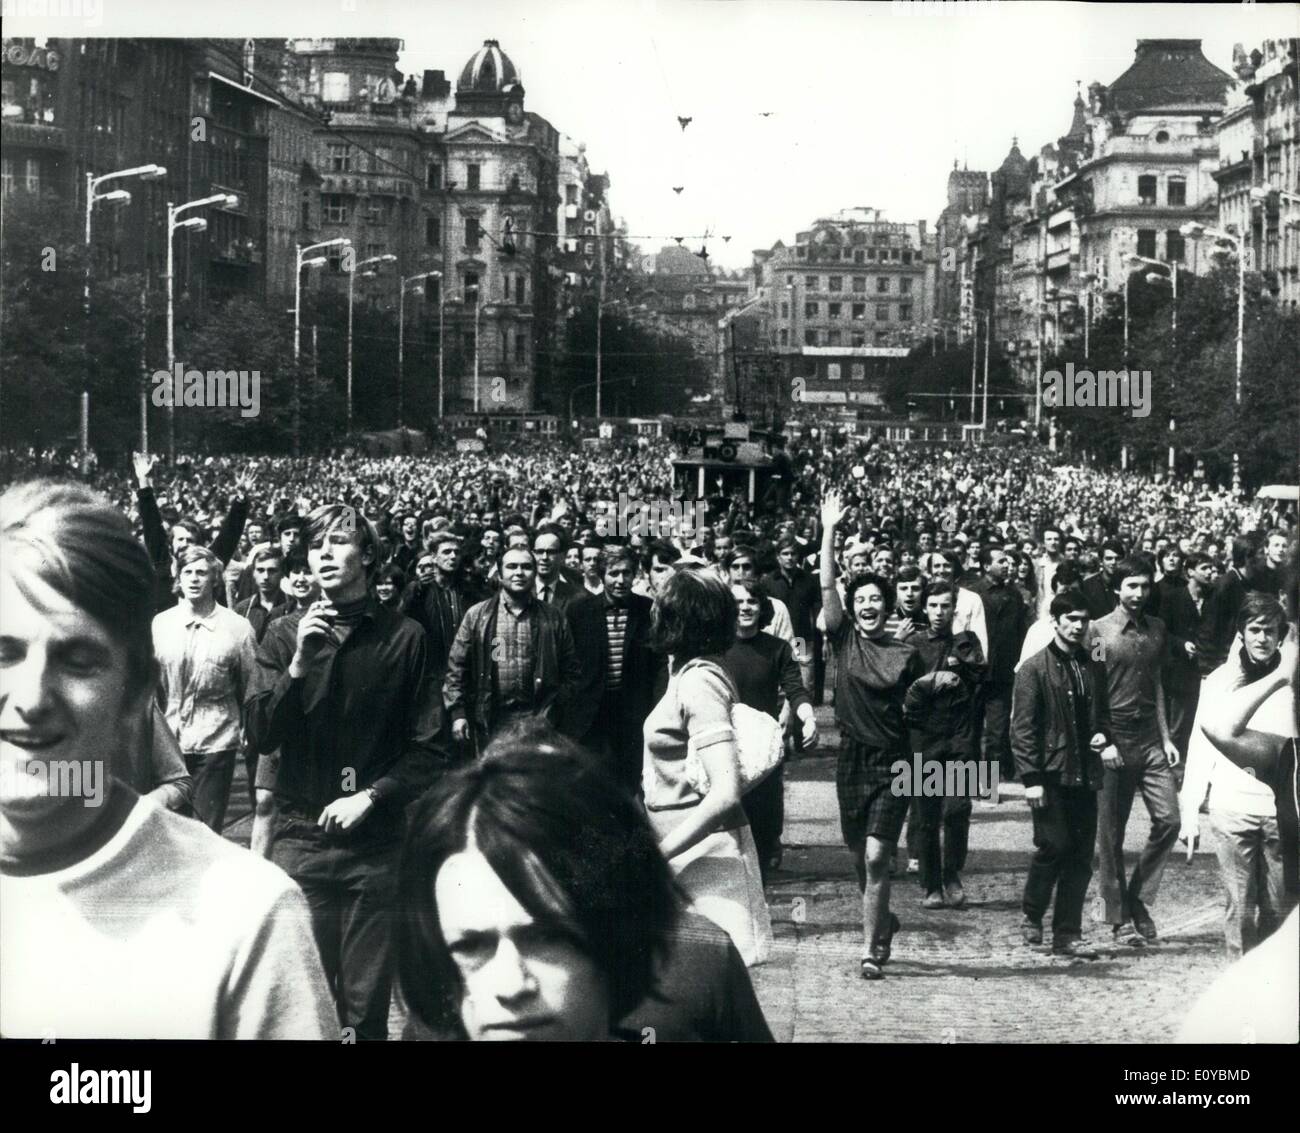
871,677
1133,650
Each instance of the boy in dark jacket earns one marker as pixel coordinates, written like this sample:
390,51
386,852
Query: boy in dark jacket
1060,740
940,709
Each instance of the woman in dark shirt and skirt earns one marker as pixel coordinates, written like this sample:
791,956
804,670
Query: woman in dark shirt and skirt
872,673
763,667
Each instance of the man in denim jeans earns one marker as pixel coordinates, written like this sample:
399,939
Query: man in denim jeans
1132,645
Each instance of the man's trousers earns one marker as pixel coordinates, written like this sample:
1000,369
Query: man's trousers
350,886
1065,830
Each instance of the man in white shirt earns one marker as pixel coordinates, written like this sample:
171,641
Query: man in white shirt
1243,810
970,607
121,919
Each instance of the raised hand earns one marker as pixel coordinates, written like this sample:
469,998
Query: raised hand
143,464
833,509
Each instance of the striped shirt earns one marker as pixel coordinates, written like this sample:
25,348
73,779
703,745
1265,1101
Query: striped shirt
616,633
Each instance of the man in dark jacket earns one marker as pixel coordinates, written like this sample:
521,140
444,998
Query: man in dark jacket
1098,590
1060,738
630,671
1180,609
798,589
340,690
940,708
1219,615
512,657
1006,617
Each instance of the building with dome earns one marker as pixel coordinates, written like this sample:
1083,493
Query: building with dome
493,180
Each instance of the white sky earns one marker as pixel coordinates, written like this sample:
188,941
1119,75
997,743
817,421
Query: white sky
869,102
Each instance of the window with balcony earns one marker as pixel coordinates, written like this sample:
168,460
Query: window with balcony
1177,191
882,313
1147,189
810,310
1175,246
837,283
1146,244
859,311
340,157
433,231
472,173
810,338
433,176
833,339
882,285
335,207
882,338
858,339
833,310
472,232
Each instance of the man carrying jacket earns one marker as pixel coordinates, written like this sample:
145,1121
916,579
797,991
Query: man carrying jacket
1060,740
512,657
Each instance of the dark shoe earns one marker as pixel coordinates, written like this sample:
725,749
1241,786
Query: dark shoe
955,894
1127,934
1145,925
1075,949
872,969
1031,931
932,900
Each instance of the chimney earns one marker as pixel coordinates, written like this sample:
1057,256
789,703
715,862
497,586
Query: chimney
435,85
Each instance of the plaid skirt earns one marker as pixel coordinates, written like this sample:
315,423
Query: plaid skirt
867,805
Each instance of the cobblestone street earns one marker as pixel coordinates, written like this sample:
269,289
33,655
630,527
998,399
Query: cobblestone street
965,975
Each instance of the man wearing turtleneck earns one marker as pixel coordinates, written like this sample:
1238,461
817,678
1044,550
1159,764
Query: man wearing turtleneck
341,690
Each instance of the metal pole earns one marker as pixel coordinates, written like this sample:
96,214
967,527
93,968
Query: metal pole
477,308
1087,323
974,358
351,277
1241,322
85,431
144,364
401,358
600,310
441,299
297,350
171,333
1126,279
987,337
85,315
1038,369
1173,267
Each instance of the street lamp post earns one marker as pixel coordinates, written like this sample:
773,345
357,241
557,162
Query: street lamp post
352,271
401,341
442,299
1196,231
94,197
191,224
304,260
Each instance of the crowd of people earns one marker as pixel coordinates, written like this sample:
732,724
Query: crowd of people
491,734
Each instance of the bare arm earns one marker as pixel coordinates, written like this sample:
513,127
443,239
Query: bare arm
1225,724
832,607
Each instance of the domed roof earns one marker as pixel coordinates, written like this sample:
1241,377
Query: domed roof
489,70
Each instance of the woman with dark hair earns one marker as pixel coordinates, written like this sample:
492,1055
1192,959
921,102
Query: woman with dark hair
537,906
703,831
389,583
763,667
872,674
1025,579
